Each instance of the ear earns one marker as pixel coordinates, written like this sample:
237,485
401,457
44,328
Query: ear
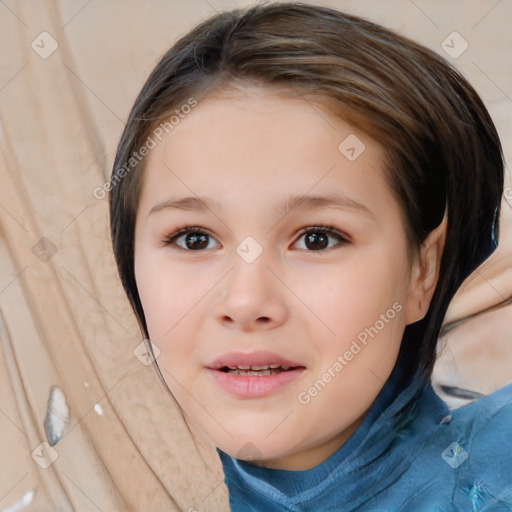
425,274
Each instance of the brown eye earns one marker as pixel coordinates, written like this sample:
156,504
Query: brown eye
195,241
316,241
317,238
190,239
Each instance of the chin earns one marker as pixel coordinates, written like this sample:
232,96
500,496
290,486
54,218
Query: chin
257,451
255,444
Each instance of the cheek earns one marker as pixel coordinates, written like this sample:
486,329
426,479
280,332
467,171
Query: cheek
350,297
164,292
174,298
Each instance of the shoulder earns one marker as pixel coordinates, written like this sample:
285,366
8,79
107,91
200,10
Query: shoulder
462,457
481,428
492,411
481,451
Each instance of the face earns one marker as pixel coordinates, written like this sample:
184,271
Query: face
290,252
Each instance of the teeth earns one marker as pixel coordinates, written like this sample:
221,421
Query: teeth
256,370
258,373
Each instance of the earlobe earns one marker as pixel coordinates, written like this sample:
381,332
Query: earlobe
425,274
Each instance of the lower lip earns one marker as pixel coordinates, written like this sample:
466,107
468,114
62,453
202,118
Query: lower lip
252,386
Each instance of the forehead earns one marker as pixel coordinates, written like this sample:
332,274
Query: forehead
256,145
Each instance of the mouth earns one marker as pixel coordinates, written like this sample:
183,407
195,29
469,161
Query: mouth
258,371
254,374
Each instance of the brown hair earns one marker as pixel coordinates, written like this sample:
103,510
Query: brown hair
443,152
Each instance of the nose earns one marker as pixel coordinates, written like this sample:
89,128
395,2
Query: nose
252,298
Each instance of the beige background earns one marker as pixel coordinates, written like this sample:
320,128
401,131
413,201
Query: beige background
64,318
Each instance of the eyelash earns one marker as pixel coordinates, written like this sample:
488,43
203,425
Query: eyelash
319,228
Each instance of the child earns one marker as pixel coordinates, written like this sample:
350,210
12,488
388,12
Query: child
296,197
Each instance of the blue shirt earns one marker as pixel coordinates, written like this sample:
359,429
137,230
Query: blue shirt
433,459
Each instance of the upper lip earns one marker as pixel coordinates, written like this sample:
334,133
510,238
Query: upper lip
259,358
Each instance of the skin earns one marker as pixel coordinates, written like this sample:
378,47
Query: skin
308,304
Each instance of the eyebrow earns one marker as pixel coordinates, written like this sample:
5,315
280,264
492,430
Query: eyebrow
306,202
